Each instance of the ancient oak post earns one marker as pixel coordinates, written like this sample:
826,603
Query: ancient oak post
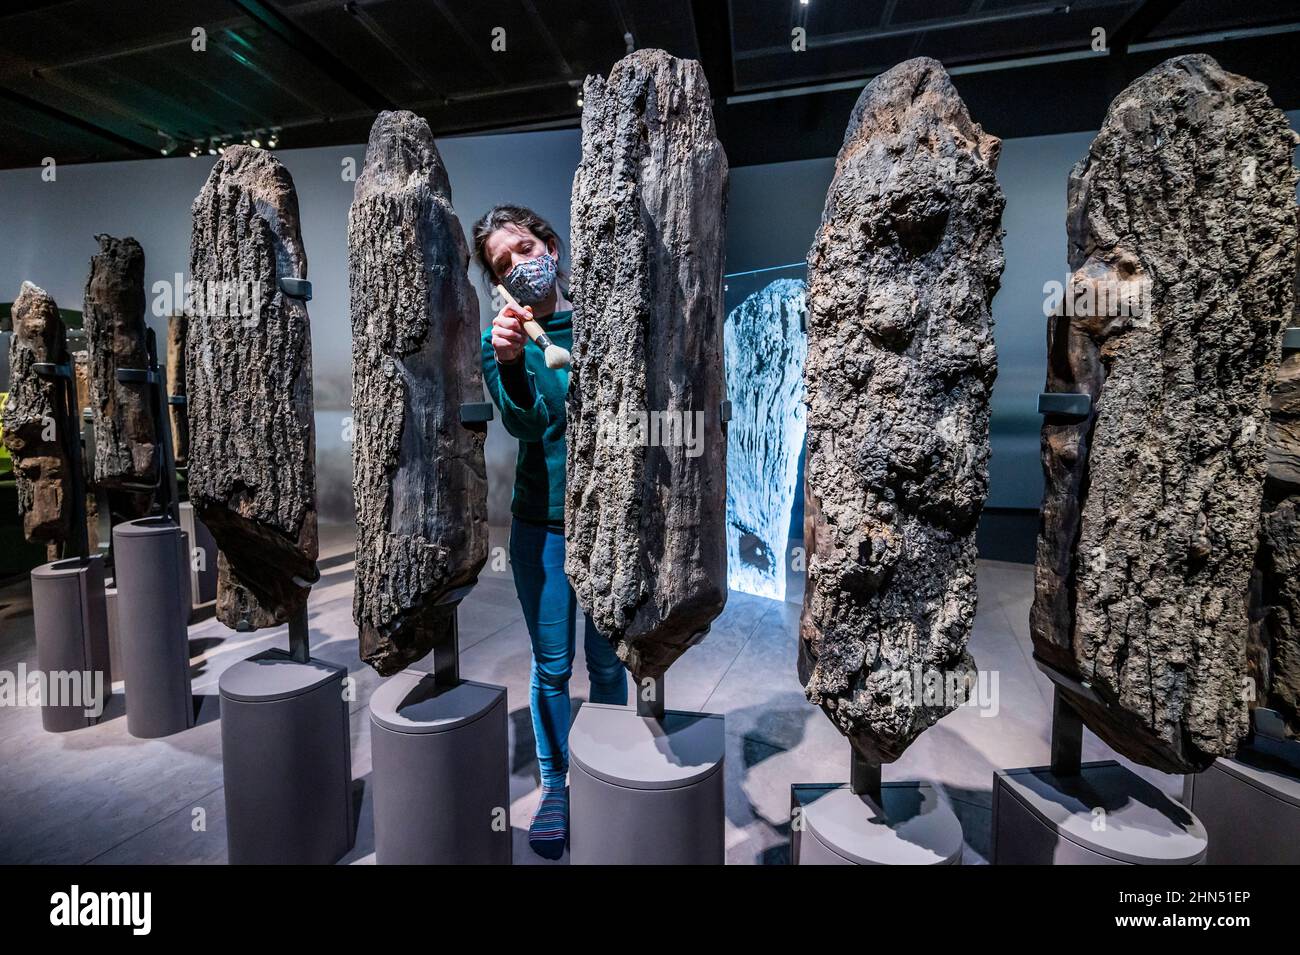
645,504
1273,651
419,475
1182,241
252,475
176,328
900,368
126,452
34,420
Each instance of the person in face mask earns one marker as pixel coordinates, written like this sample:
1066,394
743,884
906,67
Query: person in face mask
521,251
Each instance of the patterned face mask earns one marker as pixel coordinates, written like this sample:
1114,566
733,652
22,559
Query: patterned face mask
532,281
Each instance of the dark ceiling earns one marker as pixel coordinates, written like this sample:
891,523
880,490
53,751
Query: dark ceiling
95,80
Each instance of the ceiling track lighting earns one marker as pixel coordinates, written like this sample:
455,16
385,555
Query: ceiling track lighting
268,138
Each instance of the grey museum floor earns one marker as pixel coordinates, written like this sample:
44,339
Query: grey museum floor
99,795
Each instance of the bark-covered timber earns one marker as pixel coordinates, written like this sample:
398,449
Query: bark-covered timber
1273,652
645,518
81,375
176,328
126,451
901,364
252,475
34,417
419,475
1182,243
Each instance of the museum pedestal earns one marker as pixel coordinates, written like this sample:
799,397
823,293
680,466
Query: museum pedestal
72,642
1077,813
441,762
909,824
114,643
645,791
203,572
1250,804
1104,815
286,760
153,609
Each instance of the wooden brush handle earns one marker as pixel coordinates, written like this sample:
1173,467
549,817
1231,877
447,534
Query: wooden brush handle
534,330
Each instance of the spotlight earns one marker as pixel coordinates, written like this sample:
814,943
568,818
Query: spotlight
579,99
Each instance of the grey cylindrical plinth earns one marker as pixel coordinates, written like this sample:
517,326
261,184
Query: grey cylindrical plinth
114,645
71,642
644,792
1106,815
202,557
441,772
1250,805
286,761
152,613
912,826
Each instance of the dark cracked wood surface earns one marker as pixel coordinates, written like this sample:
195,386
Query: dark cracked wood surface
419,476
645,523
33,421
1182,247
901,363
1273,652
252,475
126,452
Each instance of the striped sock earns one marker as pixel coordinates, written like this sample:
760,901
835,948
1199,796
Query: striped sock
549,831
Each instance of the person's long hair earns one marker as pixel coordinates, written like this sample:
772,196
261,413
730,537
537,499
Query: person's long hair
502,215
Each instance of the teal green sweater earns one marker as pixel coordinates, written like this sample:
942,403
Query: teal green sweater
531,399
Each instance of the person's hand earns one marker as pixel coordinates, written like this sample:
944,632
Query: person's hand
508,337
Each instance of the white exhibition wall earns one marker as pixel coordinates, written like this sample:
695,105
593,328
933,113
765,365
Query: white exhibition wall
47,236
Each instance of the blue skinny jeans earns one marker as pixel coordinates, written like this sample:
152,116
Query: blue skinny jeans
548,602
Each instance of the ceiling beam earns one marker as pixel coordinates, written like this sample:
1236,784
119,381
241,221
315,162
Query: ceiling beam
76,122
302,42
382,37
17,8
917,27
1139,22
540,25
477,48
629,36
713,39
